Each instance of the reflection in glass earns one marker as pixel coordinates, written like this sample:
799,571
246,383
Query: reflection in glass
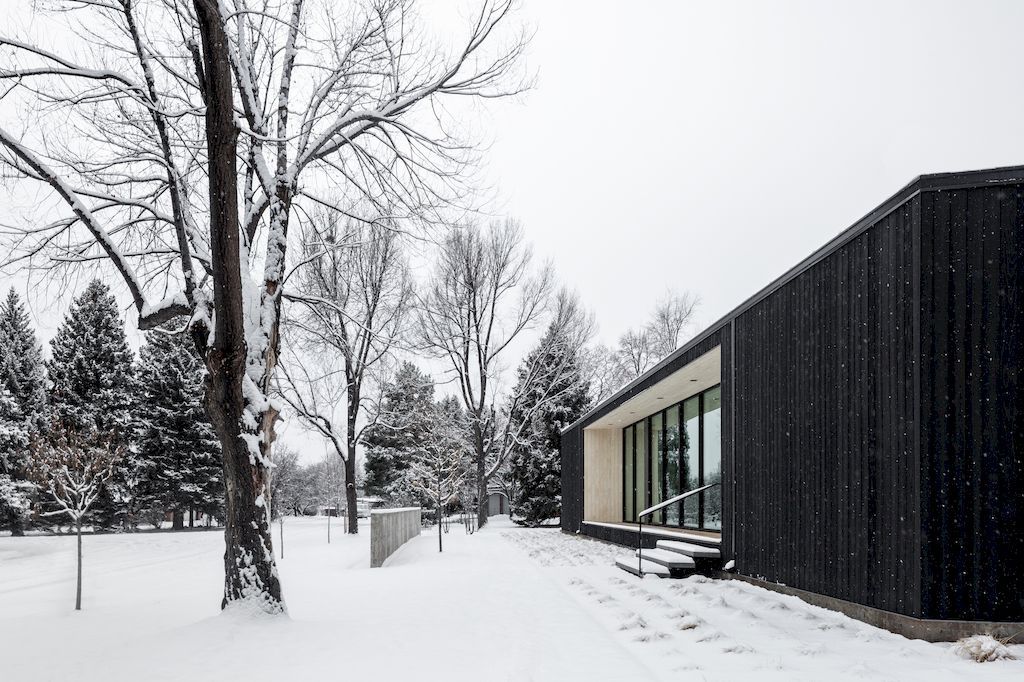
672,474
656,482
641,466
671,452
713,458
691,460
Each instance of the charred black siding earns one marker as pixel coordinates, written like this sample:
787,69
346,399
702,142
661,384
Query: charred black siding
572,479
873,410
972,403
825,455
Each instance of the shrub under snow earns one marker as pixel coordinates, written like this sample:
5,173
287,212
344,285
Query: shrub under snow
982,648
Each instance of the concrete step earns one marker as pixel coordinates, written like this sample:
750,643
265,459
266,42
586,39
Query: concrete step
673,560
629,564
689,549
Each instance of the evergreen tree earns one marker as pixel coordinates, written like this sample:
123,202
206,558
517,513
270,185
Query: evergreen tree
551,394
177,446
22,410
21,363
93,392
401,426
14,488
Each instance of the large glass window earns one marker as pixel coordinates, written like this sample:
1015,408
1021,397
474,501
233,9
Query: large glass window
642,482
673,474
670,452
712,456
691,460
657,482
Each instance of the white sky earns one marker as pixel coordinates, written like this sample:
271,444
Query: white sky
710,146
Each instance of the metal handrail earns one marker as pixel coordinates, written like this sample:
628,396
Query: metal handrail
651,510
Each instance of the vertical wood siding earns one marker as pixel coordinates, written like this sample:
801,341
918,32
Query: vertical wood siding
873,410
972,403
572,480
824,453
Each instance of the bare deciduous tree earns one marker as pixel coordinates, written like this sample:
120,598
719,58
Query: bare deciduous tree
354,296
482,297
641,349
436,471
671,317
635,354
140,146
71,470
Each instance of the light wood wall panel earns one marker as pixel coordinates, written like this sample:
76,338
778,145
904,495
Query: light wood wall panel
602,475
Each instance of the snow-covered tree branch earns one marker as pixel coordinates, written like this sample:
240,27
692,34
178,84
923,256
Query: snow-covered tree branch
177,140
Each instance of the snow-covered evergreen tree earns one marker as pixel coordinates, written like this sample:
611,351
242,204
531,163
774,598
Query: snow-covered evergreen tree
402,423
22,410
13,436
93,390
21,363
177,446
14,488
91,366
550,394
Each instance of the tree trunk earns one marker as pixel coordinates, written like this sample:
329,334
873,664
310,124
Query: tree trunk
191,517
177,520
481,489
78,584
350,491
249,571
350,446
440,547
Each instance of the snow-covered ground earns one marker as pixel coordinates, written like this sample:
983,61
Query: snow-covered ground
504,604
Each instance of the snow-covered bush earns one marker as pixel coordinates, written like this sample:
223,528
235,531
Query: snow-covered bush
15,503
982,648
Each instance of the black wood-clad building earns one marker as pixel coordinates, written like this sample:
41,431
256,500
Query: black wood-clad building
863,415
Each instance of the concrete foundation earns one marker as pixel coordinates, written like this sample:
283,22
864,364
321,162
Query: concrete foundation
908,626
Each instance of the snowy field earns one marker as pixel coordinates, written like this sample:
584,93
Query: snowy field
504,604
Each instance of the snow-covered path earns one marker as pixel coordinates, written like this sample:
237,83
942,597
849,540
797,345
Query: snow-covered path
480,609
504,604
729,630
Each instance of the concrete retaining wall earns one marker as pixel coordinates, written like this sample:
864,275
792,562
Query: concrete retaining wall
390,529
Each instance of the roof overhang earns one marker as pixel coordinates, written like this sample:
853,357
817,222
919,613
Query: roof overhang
688,380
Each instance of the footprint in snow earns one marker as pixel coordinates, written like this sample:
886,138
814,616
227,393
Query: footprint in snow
687,667
811,650
683,589
635,622
718,601
736,648
688,623
710,636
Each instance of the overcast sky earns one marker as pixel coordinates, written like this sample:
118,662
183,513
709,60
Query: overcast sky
709,146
